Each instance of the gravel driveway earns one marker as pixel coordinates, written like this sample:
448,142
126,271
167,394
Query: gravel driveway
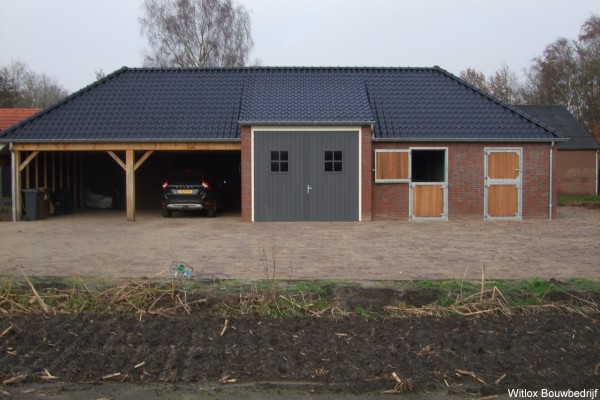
103,244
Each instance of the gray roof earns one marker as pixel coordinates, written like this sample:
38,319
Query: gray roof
211,103
565,124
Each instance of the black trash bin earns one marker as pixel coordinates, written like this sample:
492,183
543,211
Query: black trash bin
31,199
37,204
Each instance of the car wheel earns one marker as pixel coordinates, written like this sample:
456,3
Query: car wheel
212,212
166,213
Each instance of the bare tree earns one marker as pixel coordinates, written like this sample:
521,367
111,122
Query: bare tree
505,86
196,33
21,87
588,50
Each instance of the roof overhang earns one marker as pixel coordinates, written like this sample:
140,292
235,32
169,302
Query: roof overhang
306,123
474,140
181,145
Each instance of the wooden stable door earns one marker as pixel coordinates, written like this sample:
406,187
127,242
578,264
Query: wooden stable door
503,183
428,201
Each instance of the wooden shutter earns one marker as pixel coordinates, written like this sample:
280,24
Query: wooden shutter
392,166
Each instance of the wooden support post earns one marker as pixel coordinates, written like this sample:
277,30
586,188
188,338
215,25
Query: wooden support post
37,172
81,181
60,170
27,183
130,183
45,169
17,208
53,171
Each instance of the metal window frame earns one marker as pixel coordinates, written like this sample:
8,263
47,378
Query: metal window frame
489,182
444,185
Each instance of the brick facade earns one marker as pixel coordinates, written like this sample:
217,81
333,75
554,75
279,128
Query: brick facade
389,201
246,172
576,172
466,181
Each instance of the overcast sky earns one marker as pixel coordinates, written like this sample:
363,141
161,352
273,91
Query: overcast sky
71,39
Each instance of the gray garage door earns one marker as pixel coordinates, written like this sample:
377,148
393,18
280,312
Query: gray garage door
306,176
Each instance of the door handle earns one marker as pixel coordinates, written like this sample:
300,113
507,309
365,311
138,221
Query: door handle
308,189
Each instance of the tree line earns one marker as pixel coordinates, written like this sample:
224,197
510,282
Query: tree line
217,33
566,74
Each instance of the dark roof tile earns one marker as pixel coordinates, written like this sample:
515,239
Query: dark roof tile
210,103
565,124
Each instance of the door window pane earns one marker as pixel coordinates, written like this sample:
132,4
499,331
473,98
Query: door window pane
333,161
279,161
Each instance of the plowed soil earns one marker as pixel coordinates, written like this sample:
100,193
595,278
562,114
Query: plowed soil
453,354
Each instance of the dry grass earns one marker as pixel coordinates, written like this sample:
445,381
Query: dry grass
144,297
492,301
19,294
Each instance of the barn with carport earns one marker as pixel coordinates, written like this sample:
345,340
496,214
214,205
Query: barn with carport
305,144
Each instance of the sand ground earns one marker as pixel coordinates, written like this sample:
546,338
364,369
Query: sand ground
94,243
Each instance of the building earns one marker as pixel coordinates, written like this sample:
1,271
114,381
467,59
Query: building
324,144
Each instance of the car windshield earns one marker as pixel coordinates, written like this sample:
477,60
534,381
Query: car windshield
186,179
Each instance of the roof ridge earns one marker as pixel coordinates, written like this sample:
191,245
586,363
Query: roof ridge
281,68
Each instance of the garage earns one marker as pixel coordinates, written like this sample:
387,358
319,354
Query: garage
306,175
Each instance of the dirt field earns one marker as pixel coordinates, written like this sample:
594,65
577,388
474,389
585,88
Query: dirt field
111,356
104,244
453,355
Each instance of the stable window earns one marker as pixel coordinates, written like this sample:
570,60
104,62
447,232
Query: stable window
279,161
392,166
333,161
428,165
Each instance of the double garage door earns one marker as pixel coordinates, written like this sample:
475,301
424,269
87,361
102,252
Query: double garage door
306,175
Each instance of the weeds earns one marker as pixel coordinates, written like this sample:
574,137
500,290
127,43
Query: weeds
287,299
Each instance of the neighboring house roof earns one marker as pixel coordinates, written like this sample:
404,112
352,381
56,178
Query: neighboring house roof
565,124
10,116
211,103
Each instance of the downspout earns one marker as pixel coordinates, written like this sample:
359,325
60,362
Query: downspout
597,155
13,183
551,176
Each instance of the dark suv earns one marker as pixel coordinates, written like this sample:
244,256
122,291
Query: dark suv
190,191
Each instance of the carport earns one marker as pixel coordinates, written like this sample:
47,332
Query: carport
57,165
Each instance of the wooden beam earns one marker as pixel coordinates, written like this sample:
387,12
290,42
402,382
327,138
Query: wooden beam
45,169
117,159
143,158
130,184
37,172
80,181
16,187
177,146
28,160
54,172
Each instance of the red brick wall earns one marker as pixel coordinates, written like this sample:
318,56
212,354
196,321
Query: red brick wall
389,201
366,173
576,172
466,180
246,170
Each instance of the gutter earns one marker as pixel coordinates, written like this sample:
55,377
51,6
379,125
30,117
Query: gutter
305,123
159,140
473,140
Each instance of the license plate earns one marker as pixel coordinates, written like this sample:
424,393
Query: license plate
185,191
